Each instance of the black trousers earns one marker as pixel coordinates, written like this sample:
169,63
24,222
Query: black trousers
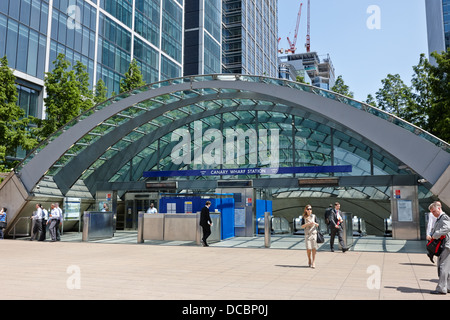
339,233
37,229
206,232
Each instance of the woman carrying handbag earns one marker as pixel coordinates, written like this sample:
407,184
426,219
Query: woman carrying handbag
311,228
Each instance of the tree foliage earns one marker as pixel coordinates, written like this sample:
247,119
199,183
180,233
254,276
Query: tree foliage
133,78
101,92
341,88
14,131
68,95
439,96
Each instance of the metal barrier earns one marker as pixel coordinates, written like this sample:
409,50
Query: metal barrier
267,229
278,225
175,227
24,227
347,226
97,225
359,227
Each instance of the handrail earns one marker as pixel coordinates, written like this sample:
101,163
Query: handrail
20,234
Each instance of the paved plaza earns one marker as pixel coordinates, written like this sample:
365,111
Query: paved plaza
236,269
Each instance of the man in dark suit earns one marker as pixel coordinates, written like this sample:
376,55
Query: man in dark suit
336,227
205,222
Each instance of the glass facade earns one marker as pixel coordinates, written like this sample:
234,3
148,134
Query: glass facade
250,37
203,47
104,36
446,11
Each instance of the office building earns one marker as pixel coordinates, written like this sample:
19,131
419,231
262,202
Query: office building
438,25
104,35
250,31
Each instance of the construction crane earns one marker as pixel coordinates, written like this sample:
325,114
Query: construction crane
308,38
292,44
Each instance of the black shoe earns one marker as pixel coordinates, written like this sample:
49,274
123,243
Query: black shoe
344,249
332,250
437,292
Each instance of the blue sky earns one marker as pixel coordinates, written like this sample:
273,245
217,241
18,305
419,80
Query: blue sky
363,56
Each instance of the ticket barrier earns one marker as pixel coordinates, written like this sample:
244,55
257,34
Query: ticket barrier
98,225
175,227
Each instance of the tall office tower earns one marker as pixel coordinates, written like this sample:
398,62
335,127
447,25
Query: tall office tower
438,25
105,35
249,37
203,37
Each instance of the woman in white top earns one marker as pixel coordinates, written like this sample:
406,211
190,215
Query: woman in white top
310,225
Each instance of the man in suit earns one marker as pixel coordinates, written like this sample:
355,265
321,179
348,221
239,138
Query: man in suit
442,228
205,222
336,227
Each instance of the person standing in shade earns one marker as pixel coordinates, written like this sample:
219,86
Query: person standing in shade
37,222
152,208
336,227
205,222
309,223
442,228
59,226
53,220
2,222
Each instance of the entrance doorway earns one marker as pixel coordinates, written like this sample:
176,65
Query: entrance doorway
135,203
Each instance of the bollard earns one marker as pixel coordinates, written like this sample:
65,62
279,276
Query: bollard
267,229
85,234
140,235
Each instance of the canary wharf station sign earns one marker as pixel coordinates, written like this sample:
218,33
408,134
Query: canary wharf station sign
248,171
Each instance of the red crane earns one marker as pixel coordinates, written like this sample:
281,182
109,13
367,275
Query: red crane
308,39
292,44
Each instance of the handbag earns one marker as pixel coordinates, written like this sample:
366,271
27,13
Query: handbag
435,247
320,238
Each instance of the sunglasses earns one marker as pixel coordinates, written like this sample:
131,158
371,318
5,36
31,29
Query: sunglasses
308,208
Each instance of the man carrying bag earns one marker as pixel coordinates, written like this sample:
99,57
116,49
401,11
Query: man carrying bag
442,228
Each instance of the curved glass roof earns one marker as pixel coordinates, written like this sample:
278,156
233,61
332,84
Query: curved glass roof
139,138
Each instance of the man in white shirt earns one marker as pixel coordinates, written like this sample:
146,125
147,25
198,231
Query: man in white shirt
152,209
431,220
54,221
442,228
37,217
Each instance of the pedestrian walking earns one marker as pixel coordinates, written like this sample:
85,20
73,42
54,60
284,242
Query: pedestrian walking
309,223
205,223
336,227
442,228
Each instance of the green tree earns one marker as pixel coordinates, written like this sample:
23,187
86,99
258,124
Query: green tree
100,92
395,97
371,100
300,79
422,96
133,78
68,95
439,84
14,131
341,88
